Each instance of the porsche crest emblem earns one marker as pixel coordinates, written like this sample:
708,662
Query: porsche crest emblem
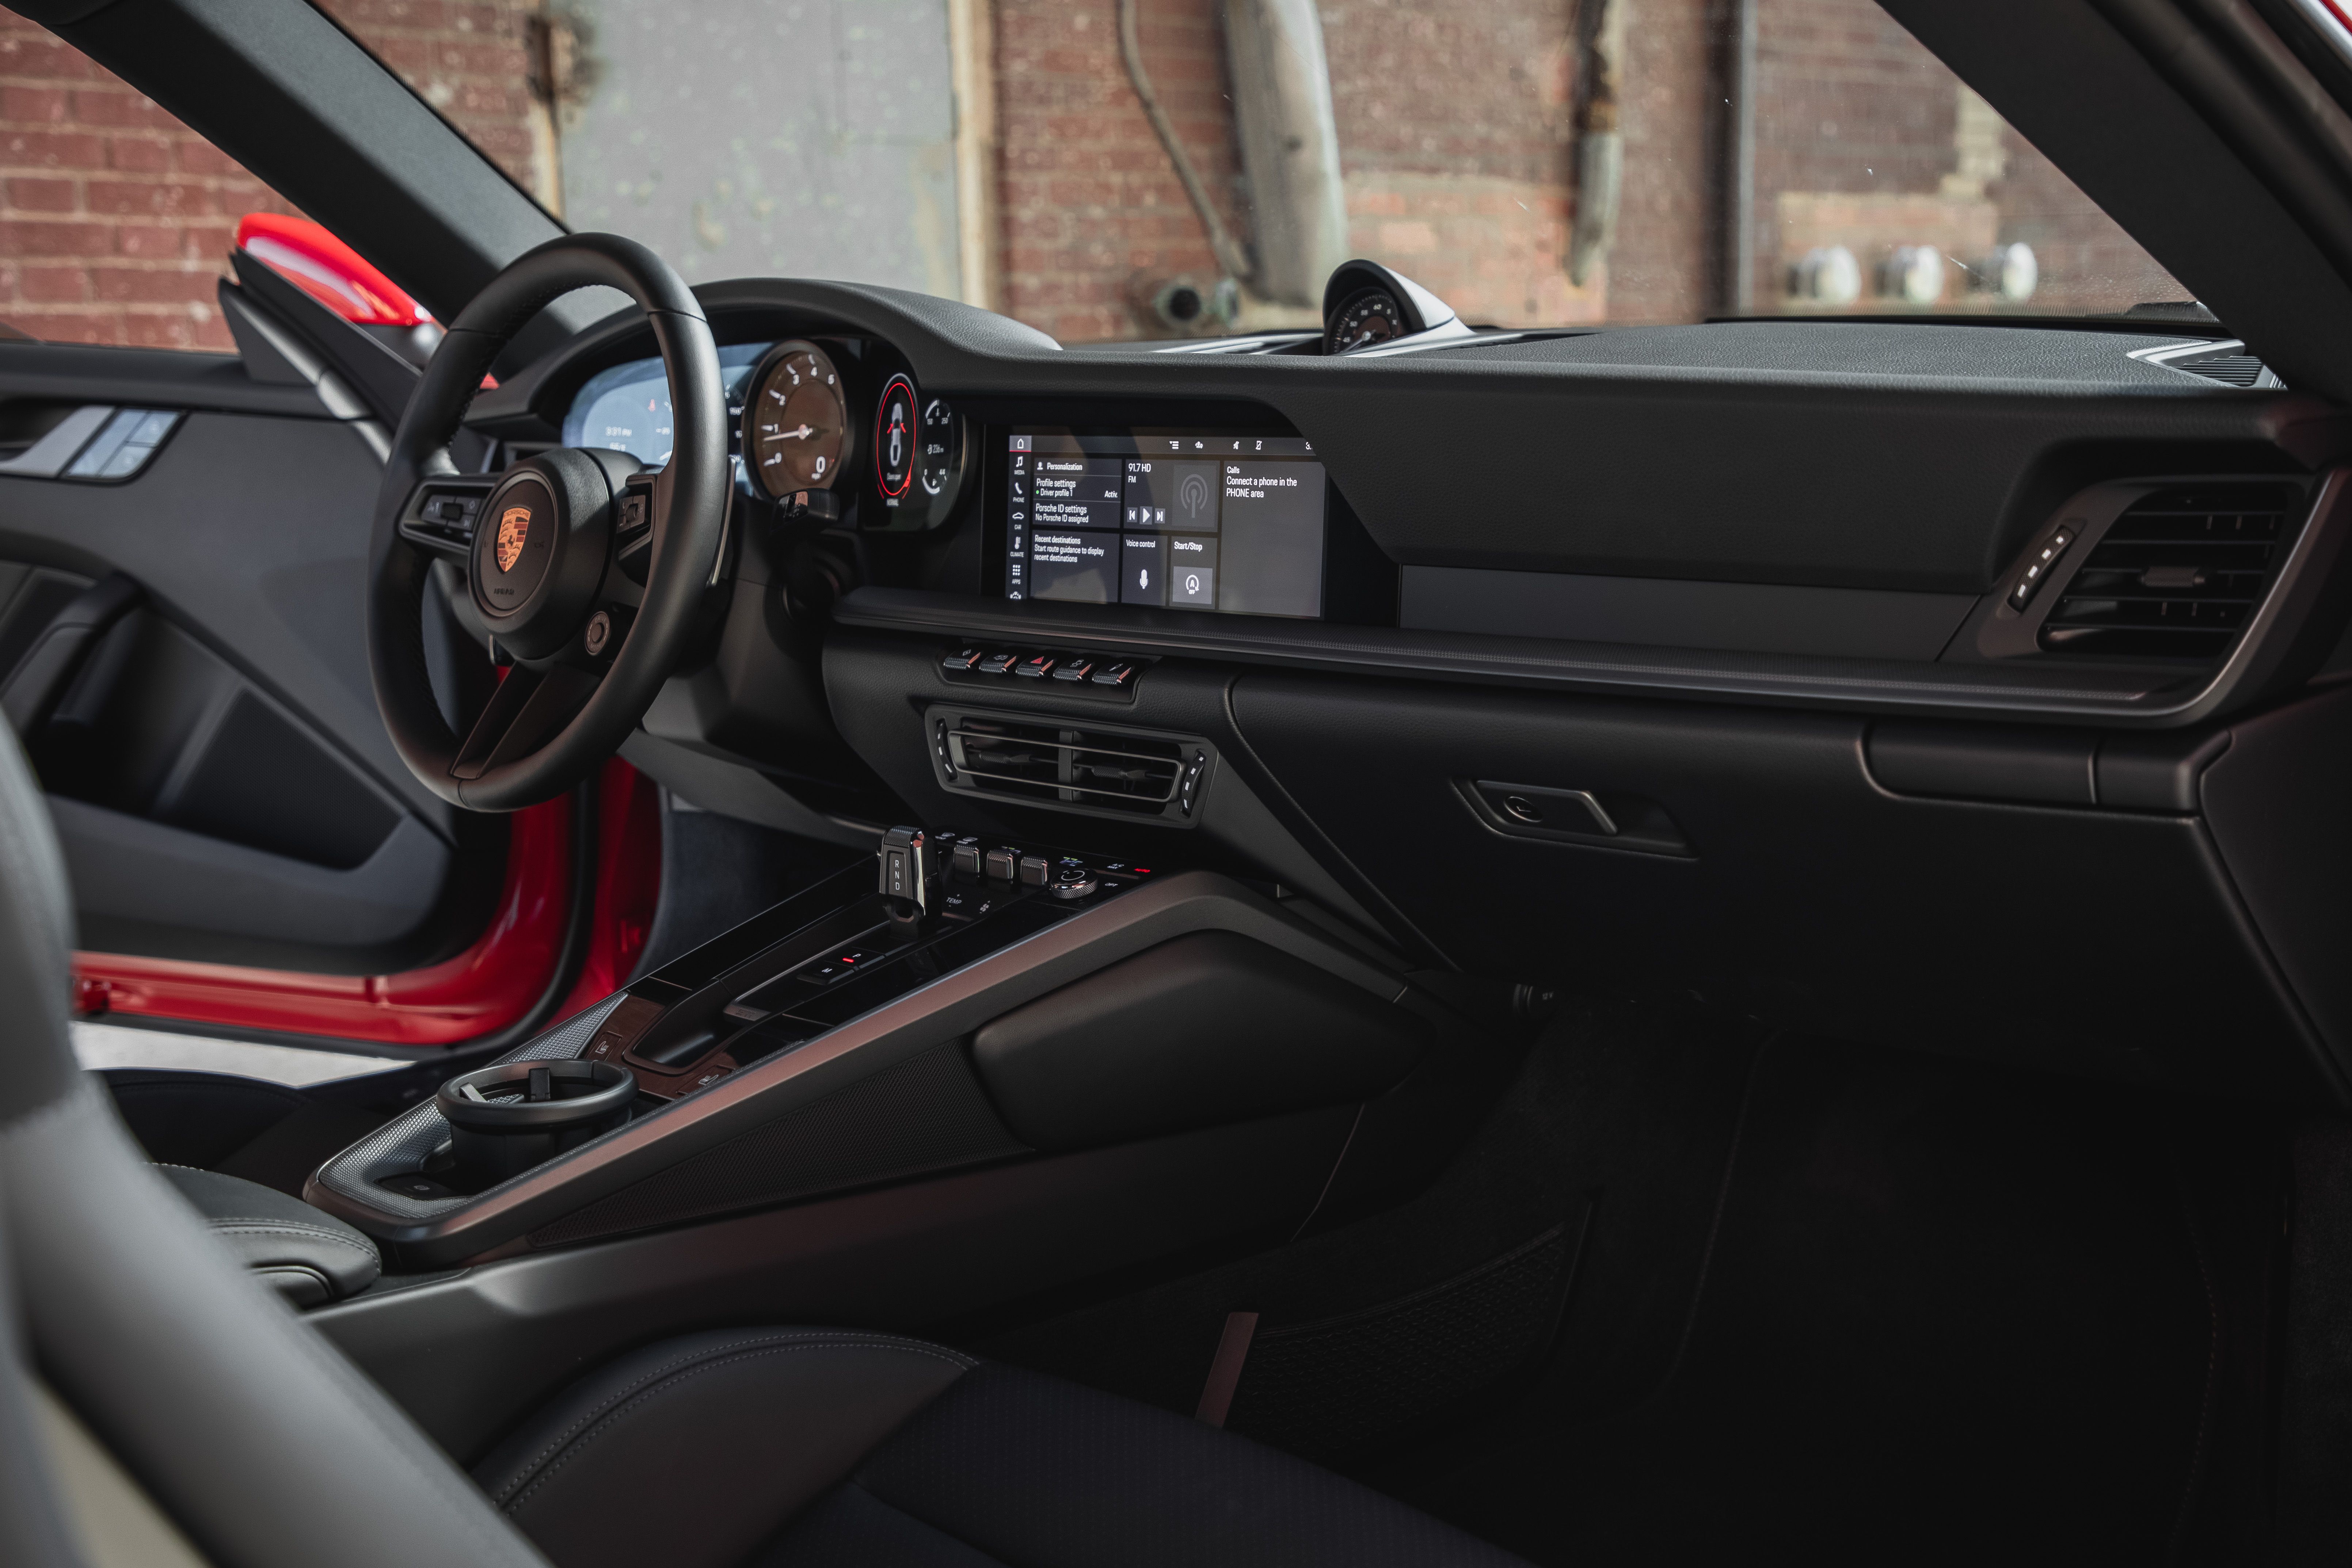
514,527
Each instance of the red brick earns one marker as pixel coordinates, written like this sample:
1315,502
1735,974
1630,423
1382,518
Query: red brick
200,157
65,326
115,107
149,286
53,149
27,237
33,103
139,155
44,195
52,285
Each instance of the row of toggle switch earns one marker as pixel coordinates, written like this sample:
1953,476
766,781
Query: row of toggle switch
1119,675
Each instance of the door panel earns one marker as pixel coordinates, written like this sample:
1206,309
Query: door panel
223,784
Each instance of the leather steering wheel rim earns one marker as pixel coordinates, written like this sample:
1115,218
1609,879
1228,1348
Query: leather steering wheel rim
688,507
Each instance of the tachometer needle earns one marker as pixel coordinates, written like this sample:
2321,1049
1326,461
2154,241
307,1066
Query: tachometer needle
802,433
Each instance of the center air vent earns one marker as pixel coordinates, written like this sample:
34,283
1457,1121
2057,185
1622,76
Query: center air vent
1074,767
2177,574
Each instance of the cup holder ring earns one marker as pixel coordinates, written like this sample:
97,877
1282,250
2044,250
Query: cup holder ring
505,1119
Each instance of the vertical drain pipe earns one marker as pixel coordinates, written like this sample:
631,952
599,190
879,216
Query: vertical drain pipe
1290,146
1739,167
1600,138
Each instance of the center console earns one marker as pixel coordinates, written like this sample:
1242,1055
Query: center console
962,1002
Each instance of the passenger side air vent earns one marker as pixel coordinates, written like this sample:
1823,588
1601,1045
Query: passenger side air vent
2177,574
1121,772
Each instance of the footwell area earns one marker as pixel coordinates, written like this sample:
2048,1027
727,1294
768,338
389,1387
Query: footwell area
1771,1298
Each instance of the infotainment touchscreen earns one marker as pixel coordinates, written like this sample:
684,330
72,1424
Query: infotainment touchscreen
1180,519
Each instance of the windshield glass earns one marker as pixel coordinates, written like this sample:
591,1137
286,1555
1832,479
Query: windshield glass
1122,169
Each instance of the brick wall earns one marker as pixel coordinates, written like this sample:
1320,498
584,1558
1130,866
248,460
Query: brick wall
1090,208
115,219
1860,140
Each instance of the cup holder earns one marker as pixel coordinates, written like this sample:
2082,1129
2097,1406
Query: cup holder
505,1119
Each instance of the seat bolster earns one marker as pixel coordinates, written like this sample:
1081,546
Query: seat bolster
1019,1468
690,1452
307,1255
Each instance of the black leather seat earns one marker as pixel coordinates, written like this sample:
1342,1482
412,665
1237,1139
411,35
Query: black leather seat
768,1447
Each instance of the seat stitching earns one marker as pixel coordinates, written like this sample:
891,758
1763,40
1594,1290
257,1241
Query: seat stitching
807,1339
249,1228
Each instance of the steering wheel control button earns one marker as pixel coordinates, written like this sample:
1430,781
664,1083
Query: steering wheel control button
1001,864
962,660
2039,568
599,634
1033,870
1119,675
998,663
1074,669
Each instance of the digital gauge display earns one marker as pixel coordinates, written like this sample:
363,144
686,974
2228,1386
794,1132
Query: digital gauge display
626,407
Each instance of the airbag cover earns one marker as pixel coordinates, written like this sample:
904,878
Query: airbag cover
1209,1028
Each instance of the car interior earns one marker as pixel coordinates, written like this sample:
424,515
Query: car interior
1393,942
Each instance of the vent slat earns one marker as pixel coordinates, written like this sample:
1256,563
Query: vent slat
2177,574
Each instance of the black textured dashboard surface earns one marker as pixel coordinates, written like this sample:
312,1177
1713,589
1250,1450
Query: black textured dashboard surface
1734,454
1879,351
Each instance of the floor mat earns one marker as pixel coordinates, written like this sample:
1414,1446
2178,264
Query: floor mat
1948,1315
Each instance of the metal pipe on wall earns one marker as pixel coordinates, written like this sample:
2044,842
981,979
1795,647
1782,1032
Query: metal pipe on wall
1290,145
1739,166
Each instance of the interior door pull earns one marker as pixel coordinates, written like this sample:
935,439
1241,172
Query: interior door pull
30,691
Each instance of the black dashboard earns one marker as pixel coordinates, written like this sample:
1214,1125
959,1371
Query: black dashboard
1642,657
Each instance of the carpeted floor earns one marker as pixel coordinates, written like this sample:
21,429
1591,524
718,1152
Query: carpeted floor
1695,1294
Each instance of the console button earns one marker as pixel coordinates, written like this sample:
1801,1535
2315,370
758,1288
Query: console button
962,660
1074,669
1034,870
969,904
1035,666
1191,781
1000,863
1074,885
966,857
1119,675
998,663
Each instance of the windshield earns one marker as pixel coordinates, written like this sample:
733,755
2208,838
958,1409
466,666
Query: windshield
1110,170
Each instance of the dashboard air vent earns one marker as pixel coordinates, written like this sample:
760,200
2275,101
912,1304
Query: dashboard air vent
2177,574
1067,765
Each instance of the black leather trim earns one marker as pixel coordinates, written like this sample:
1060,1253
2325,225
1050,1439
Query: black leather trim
1212,1027
1017,1467
307,1255
743,1426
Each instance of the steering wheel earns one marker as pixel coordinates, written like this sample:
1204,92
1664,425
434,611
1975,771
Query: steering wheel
590,574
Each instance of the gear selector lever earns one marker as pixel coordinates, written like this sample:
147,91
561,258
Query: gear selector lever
907,870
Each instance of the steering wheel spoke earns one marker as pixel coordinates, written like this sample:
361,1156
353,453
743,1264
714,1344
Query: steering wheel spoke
530,709
442,511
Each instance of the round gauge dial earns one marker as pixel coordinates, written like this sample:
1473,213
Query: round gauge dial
938,435
1367,317
796,424
893,438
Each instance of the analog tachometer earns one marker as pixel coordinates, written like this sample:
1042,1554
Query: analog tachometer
796,424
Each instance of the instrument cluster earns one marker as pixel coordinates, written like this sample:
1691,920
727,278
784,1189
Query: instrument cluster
834,416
